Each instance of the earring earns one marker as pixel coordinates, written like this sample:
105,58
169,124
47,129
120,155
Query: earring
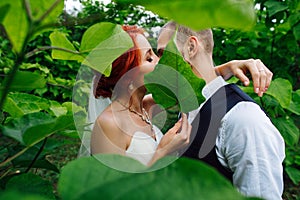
130,86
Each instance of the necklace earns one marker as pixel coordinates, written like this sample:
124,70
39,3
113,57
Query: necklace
144,116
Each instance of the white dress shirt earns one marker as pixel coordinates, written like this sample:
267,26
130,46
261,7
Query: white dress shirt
250,146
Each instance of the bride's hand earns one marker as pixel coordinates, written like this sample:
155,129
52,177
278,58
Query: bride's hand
176,138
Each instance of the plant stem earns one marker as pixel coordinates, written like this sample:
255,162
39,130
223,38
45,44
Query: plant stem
37,50
37,155
48,11
28,147
28,10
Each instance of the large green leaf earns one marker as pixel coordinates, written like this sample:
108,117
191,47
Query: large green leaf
26,81
288,130
296,31
57,109
34,127
19,104
88,178
295,103
3,11
281,89
103,43
173,82
36,133
19,26
98,33
16,127
68,51
13,194
275,7
31,184
15,23
294,174
199,14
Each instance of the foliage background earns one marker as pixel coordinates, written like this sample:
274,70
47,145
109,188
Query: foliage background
274,40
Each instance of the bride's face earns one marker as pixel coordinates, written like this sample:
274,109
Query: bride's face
148,58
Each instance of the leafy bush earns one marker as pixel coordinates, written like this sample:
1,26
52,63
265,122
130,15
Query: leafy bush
36,91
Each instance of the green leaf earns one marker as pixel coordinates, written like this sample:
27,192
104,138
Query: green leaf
281,89
295,103
200,14
31,184
184,175
34,127
12,108
26,81
173,83
103,43
15,23
68,51
288,130
98,33
296,31
57,109
37,132
3,11
12,194
19,104
294,174
275,7
16,127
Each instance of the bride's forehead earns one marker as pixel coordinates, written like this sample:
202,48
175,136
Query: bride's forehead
142,42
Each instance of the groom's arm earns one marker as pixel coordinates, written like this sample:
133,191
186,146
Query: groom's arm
260,74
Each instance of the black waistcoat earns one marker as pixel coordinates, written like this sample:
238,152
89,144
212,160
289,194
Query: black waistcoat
205,126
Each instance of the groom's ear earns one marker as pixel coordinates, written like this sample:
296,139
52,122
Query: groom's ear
193,45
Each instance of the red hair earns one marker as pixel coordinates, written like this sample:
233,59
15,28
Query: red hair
127,61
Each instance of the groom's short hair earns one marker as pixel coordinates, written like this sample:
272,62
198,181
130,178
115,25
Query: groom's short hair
205,36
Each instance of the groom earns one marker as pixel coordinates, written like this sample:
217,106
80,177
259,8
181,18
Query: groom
231,132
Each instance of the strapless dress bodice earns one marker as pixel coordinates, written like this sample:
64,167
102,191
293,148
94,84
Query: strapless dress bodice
142,146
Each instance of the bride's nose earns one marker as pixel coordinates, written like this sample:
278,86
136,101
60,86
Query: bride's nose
155,59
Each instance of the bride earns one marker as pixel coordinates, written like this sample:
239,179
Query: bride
125,127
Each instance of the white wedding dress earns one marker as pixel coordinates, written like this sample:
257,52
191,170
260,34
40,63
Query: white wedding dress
142,146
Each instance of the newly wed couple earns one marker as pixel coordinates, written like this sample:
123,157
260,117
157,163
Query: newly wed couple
237,137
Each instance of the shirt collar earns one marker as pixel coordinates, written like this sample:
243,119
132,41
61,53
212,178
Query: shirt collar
212,87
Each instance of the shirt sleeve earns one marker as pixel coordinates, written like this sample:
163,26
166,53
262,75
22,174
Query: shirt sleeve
251,146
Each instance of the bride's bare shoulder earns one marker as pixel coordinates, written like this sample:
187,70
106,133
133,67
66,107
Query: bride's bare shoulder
106,118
